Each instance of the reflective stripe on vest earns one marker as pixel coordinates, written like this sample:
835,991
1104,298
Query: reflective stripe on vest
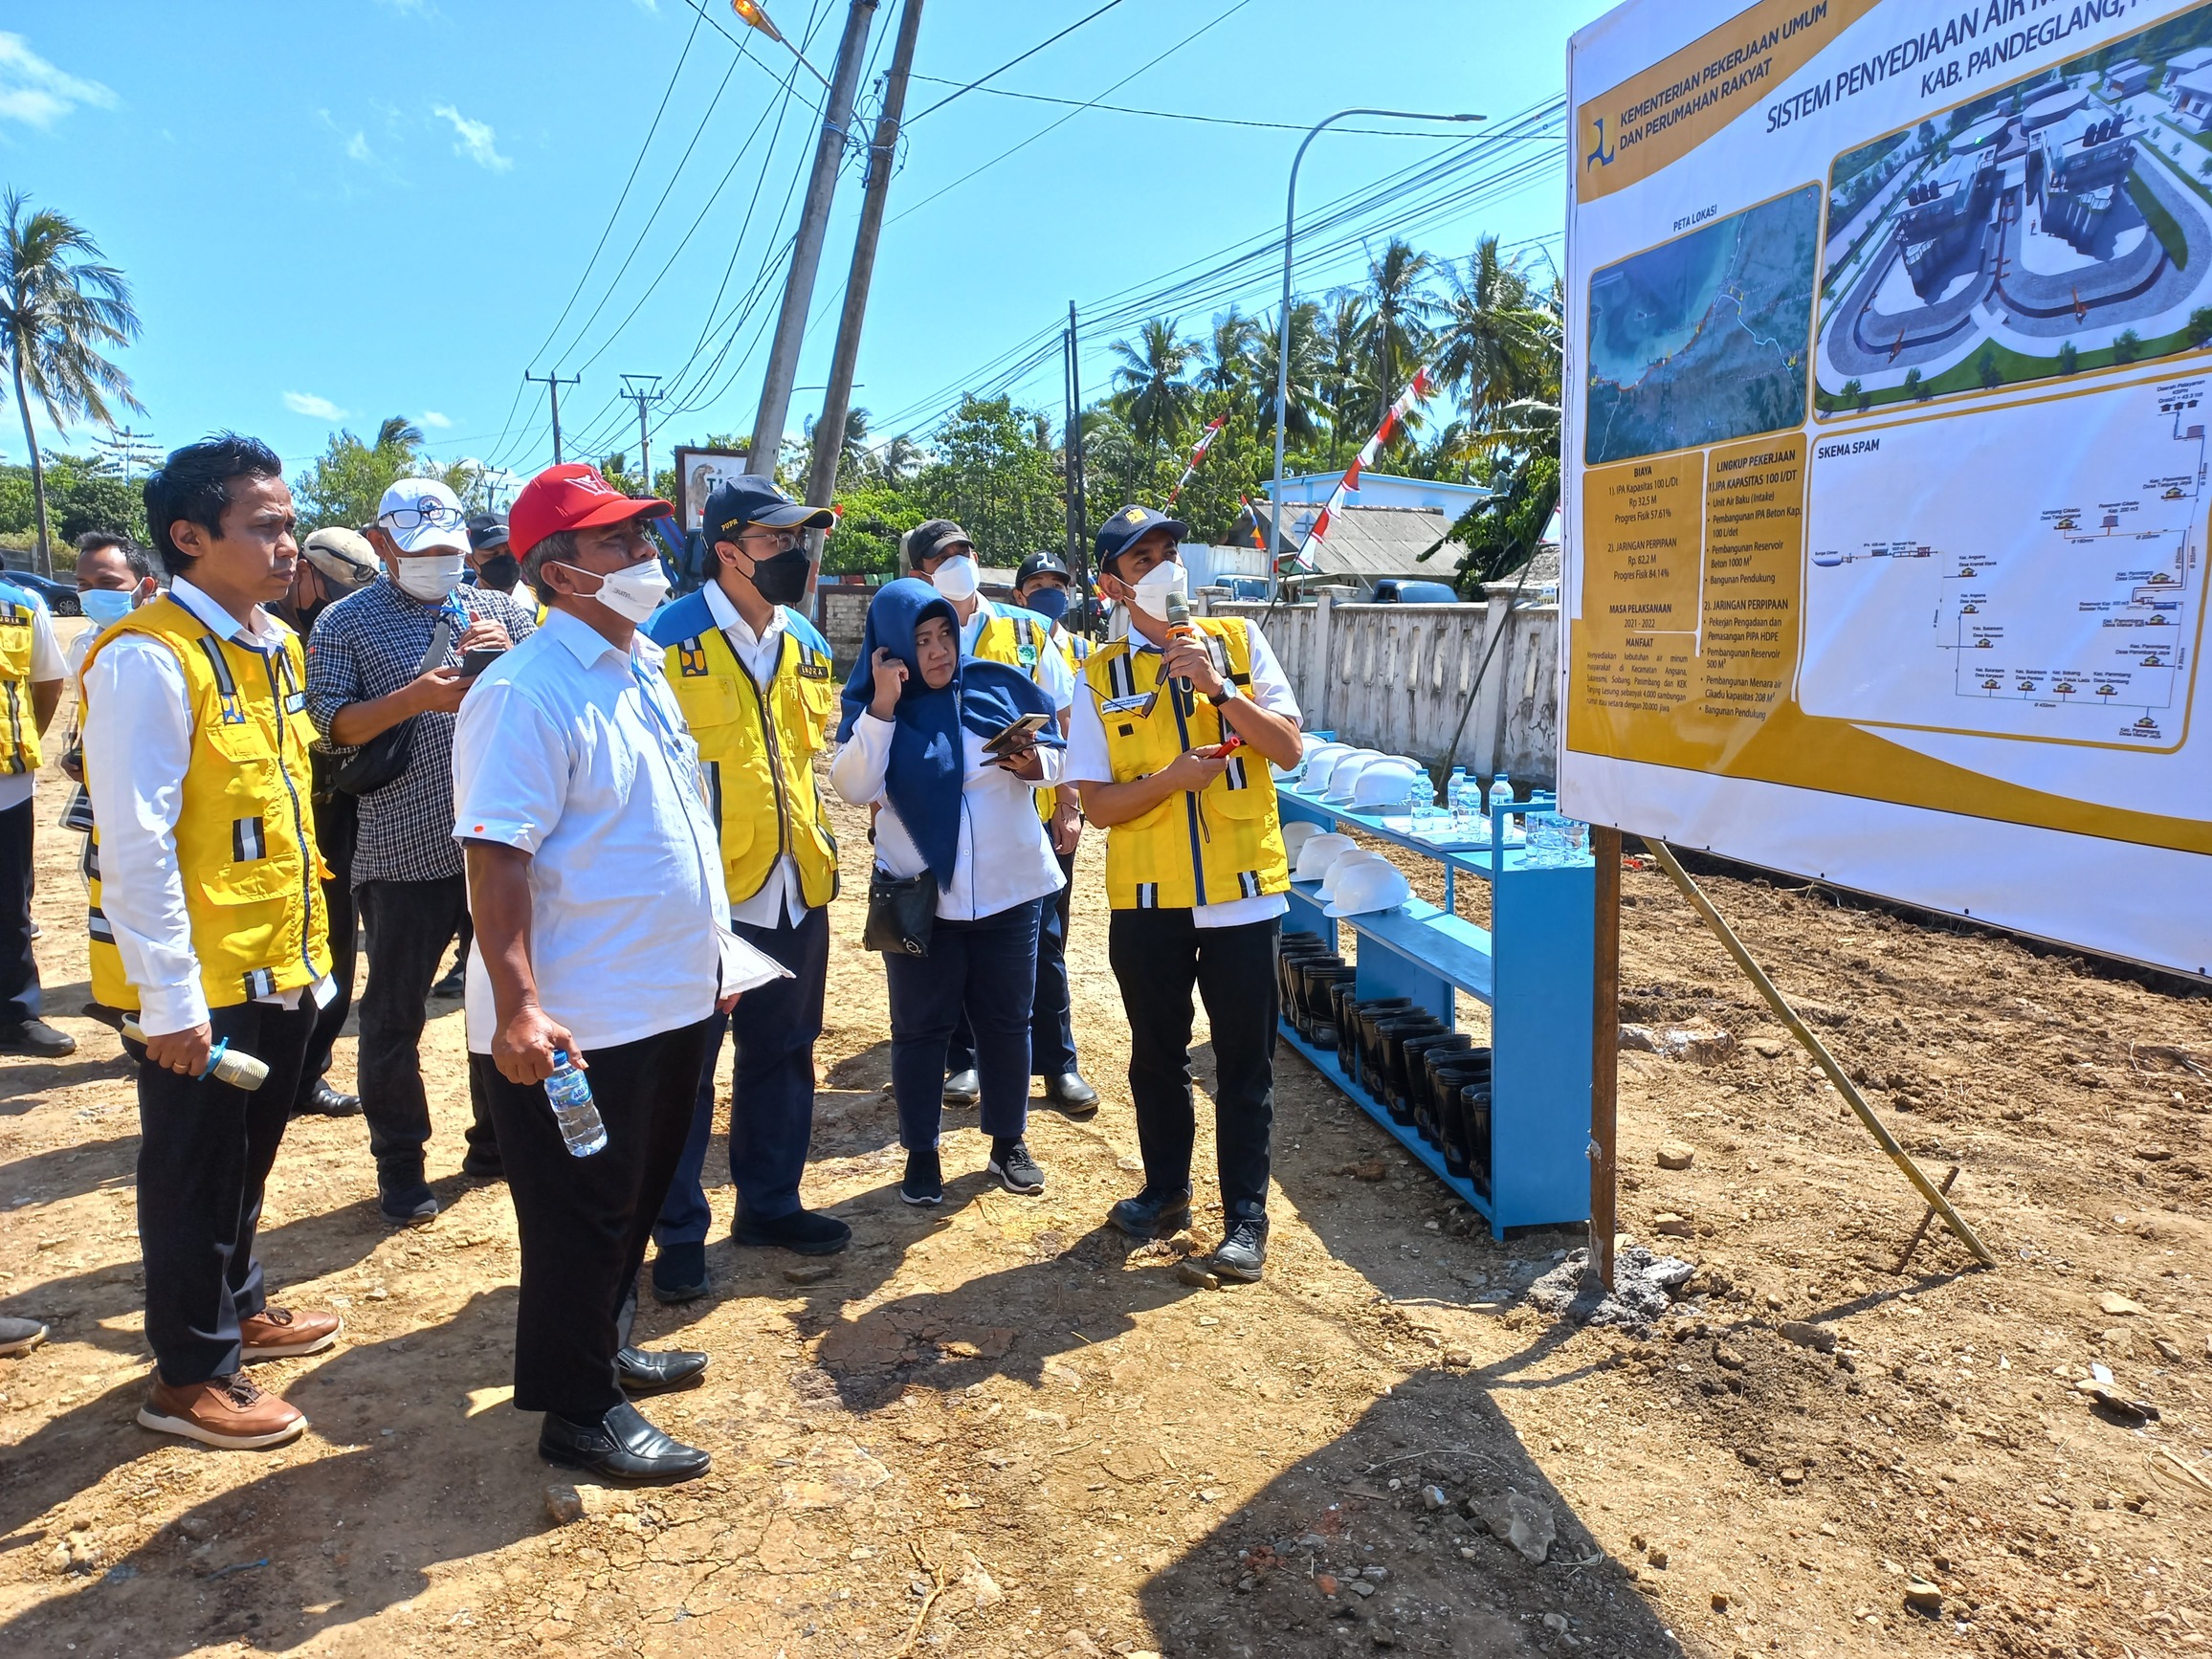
19,750
1223,844
757,750
245,834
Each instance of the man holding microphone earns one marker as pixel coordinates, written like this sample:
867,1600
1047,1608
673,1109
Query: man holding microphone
603,943
1171,743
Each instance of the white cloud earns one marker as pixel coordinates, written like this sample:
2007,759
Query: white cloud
36,92
475,140
432,418
357,149
306,402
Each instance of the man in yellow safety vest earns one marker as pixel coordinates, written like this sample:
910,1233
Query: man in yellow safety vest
1171,743
758,690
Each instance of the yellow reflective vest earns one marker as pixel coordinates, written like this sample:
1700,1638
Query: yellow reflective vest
1020,640
757,746
1222,844
245,834
19,750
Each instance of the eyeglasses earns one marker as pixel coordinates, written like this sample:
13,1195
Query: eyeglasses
432,513
783,541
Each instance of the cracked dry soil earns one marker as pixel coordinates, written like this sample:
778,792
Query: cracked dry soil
999,1431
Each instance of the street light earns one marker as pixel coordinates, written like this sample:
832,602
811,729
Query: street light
754,13
1283,327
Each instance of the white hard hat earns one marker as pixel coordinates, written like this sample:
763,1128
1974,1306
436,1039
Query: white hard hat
1318,763
1346,772
1385,784
1345,864
1320,852
1297,833
1369,886
1307,744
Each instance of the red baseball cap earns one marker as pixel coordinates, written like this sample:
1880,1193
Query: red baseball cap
574,497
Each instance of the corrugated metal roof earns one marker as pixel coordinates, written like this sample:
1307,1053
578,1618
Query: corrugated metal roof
1367,542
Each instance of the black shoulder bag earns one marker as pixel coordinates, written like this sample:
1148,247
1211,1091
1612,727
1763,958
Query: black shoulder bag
901,914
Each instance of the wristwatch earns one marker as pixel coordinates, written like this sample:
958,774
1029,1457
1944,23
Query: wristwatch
1222,698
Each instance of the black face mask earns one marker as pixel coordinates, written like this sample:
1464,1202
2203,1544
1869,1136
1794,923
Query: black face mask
501,572
783,579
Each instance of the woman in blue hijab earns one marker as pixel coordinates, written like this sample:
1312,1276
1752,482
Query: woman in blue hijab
918,716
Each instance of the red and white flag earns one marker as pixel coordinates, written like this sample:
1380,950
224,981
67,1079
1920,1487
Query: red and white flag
1204,443
1420,390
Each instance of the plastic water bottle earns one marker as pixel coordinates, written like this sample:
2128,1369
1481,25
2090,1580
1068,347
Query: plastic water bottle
225,1064
1455,799
569,1092
1422,799
1501,790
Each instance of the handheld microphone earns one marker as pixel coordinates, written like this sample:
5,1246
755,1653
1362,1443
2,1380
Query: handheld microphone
1179,625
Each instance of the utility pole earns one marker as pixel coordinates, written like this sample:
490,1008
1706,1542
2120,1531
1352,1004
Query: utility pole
642,396
553,382
1082,559
875,187
128,449
1073,438
807,249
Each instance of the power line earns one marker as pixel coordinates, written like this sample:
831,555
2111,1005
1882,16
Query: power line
1011,62
1175,114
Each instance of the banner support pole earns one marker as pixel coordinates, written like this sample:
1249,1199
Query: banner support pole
1928,1189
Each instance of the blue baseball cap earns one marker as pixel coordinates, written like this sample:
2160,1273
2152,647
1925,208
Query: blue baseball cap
749,498
1119,533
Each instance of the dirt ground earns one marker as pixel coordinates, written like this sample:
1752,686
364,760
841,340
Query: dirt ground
998,1429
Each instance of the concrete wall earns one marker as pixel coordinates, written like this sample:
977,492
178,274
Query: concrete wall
1397,677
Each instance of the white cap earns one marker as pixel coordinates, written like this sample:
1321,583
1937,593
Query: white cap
1320,852
1370,886
420,514
1345,864
1386,783
1297,833
1346,772
1320,762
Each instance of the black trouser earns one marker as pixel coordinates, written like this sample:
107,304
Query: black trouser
1157,955
584,1221
1052,1012
205,1149
18,967
410,924
337,826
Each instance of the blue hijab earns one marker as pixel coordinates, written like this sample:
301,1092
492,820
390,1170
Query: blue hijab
925,775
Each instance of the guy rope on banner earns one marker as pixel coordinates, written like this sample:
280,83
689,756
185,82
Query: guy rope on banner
1420,390
1204,443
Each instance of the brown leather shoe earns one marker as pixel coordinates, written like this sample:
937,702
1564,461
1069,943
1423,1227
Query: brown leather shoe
280,1332
225,1412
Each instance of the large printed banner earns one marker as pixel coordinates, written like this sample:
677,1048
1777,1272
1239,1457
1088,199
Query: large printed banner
1887,385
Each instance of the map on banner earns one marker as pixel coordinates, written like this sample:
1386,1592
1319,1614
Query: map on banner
1889,339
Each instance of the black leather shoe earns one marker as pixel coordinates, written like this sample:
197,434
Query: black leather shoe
408,1206
38,1037
963,1089
1071,1095
1243,1254
679,1274
638,1371
324,1101
807,1231
622,1446
1146,1216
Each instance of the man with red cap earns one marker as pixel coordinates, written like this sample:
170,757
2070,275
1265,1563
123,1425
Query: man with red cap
603,947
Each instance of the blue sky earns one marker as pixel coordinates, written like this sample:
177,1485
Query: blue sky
337,211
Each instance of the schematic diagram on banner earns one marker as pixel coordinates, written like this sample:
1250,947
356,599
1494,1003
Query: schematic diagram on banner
2060,599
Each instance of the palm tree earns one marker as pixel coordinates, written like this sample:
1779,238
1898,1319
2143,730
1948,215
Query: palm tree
399,434
901,459
1153,396
1495,342
59,307
1343,366
1228,374
1397,340
1304,389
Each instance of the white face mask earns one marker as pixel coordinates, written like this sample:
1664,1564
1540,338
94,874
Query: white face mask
429,576
633,593
1152,588
956,578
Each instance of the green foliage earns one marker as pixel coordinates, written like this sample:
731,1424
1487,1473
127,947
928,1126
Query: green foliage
349,478
2128,346
2200,326
1986,373
989,472
1501,534
1913,389
866,539
82,493
2070,358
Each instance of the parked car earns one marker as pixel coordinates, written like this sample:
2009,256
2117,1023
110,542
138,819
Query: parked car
1405,590
61,596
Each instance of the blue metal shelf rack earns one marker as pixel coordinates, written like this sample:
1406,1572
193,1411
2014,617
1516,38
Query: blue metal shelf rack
1534,969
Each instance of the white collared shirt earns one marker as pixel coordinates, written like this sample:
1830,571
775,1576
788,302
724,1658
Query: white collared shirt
781,895
138,745
1005,856
1053,676
574,750
1087,760
46,667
